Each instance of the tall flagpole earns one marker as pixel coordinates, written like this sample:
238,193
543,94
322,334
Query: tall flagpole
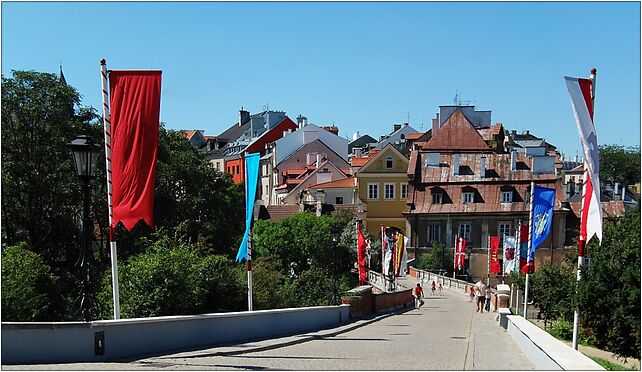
456,259
249,252
112,235
530,242
581,242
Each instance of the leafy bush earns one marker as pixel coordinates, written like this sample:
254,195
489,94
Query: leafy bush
27,285
438,258
562,329
553,288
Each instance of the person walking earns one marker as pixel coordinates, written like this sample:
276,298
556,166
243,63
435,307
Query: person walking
487,299
433,288
419,293
440,288
472,294
480,292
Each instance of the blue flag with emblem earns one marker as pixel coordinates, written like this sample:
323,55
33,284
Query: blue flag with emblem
251,180
543,202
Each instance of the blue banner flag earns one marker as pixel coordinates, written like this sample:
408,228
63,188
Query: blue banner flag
251,180
543,202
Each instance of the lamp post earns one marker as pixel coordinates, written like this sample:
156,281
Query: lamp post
85,152
335,240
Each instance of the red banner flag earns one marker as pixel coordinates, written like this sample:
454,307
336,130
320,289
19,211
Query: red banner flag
524,267
495,268
460,249
135,117
361,254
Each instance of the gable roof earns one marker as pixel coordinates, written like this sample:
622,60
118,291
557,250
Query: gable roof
456,135
336,184
314,143
325,163
380,154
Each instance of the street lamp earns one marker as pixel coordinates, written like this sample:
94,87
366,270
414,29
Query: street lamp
334,231
85,152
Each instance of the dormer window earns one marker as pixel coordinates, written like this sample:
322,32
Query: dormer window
468,197
506,196
389,162
437,198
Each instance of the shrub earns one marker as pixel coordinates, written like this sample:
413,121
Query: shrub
27,285
562,329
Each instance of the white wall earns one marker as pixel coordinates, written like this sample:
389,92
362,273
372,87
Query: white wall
289,144
65,342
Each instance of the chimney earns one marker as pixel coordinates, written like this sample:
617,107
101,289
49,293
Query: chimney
301,121
513,132
357,151
513,160
455,164
355,136
576,159
525,133
244,116
482,168
396,127
318,160
570,189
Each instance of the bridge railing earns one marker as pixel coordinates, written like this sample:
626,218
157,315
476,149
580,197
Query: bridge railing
448,282
383,283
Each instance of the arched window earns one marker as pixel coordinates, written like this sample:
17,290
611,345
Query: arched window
389,162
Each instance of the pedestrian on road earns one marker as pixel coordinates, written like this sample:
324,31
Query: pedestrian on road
480,292
433,288
440,288
472,294
419,293
487,299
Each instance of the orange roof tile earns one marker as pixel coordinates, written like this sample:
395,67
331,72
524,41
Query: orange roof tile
337,184
359,161
414,136
457,134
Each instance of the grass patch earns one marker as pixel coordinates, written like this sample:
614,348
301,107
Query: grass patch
611,366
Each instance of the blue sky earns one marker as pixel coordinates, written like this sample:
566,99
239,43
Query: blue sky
361,66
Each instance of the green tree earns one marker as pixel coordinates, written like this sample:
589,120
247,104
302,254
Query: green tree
41,197
620,164
553,288
438,258
162,281
27,285
609,290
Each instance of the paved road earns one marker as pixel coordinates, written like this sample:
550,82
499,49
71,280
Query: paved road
445,334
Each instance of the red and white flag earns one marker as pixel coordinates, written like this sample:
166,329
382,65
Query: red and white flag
460,252
580,91
135,115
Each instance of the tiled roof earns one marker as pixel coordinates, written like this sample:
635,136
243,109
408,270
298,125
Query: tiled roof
457,134
414,136
614,208
359,161
343,183
347,170
488,133
276,212
487,199
294,171
293,181
497,168
188,133
207,138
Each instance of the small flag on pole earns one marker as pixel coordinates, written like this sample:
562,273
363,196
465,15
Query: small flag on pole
509,254
495,268
252,169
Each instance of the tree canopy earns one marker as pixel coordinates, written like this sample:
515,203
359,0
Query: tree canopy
620,164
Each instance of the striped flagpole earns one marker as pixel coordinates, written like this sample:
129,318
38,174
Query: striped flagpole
581,241
112,242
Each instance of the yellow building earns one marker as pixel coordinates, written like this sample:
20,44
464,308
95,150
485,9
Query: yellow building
382,185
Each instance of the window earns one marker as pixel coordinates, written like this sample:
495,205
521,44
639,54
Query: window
507,196
238,170
404,191
504,229
433,232
339,200
389,162
389,191
373,191
468,197
436,198
464,231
